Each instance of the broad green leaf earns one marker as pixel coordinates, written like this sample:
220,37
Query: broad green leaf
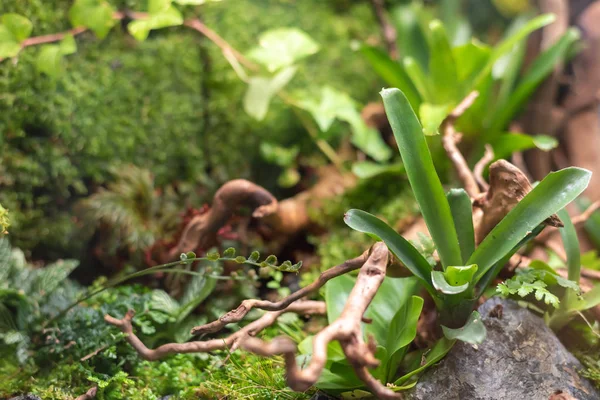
592,225
432,116
49,278
442,67
335,104
337,291
409,20
157,6
457,276
507,144
413,260
401,332
368,169
542,66
441,285
437,352
161,301
9,45
462,214
197,290
392,73
571,244
392,296
19,26
261,90
194,2
96,15
470,58
289,177
419,79
423,178
49,60
140,29
68,45
473,332
507,44
551,195
282,47
586,301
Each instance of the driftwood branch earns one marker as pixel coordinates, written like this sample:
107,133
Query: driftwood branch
239,313
346,329
387,29
234,341
450,140
89,395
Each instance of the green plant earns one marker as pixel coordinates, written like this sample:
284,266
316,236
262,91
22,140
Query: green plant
540,275
441,64
393,316
465,271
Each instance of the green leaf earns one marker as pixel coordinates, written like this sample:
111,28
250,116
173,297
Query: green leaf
442,67
470,59
409,19
282,47
473,332
196,291
413,260
337,291
194,2
551,195
423,178
437,352
542,66
161,301
158,6
96,15
368,169
229,252
571,243
507,44
9,46
68,45
419,79
261,90
19,26
440,284
49,60
49,278
432,116
403,327
592,225
462,214
505,145
335,104
140,29
392,73
457,276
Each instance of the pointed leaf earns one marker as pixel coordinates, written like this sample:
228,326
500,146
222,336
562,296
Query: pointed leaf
392,73
473,332
423,178
442,67
543,65
282,47
19,26
96,15
552,194
505,145
432,116
261,90
413,260
419,79
462,214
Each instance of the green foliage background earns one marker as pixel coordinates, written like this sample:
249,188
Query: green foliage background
171,104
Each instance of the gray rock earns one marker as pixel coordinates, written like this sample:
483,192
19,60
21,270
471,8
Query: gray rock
521,358
25,397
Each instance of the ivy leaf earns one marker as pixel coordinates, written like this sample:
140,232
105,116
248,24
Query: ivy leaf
68,45
282,47
473,332
19,26
162,18
432,116
49,60
261,90
97,15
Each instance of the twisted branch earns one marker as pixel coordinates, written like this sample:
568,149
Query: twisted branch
240,312
234,341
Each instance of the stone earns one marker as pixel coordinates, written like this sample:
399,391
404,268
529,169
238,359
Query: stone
521,358
25,397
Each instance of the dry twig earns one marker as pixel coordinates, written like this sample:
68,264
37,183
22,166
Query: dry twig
89,395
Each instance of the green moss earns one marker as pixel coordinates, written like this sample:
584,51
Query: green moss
171,104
